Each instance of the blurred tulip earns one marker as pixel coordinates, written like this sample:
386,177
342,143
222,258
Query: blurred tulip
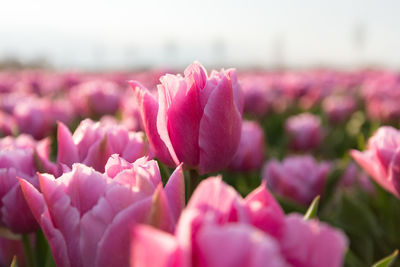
338,108
95,98
250,153
196,120
20,158
86,215
10,248
352,177
305,131
299,178
94,142
218,228
381,160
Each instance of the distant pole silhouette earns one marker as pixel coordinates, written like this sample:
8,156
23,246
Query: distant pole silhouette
278,52
359,37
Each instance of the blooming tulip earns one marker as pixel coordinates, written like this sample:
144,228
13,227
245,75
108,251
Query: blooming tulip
196,120
219,228
93,143
299,178
381,160
86,215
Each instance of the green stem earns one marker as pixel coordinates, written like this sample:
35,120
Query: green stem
29,256
194,180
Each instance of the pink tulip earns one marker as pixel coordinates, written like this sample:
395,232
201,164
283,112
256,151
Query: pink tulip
196,119
250,153
339,108
381,160
7,124
86,215
305,131
299,178
219,228
94,142
20,158
312,243
352,176
95,98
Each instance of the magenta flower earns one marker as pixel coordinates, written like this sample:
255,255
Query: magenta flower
86,215
299,178
196,119
250,153
10,248
381,160
20,158
94,142
95,98
339,108
305,131
219,228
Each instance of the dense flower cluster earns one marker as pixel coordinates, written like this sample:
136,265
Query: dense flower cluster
119,169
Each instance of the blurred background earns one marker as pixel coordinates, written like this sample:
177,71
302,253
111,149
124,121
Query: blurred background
112,35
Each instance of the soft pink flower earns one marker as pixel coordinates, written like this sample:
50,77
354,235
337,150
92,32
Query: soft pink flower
381,160
20,158
300,178
95,98
305,131
86,215
250,153
94,142
352,176
339,108
196,119
219,228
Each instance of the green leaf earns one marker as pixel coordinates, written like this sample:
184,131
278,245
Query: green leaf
312,209
14,262
388,261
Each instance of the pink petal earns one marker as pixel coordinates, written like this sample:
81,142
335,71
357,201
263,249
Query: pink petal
175,192
149,110
67,151
220,129
152,247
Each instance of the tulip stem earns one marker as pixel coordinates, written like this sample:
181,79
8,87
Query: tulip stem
194,180
29,256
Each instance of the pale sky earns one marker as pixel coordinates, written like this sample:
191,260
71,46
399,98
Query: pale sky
118,33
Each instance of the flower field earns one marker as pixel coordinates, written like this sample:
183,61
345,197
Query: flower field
199,167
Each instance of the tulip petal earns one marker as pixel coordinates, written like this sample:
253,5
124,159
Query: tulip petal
220,129
67,150
175,191
152,247
265,213
149,110
116,239
394,173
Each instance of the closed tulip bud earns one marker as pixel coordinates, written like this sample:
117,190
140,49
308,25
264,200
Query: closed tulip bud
196,118
305,131
250,153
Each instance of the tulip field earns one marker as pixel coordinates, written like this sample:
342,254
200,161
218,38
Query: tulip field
214,168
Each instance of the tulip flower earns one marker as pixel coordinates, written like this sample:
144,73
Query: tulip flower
381,160
8,249
86,215
299,178
250,153
305,131
196,118
20,158
94,142
219,228
95,98
338,108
